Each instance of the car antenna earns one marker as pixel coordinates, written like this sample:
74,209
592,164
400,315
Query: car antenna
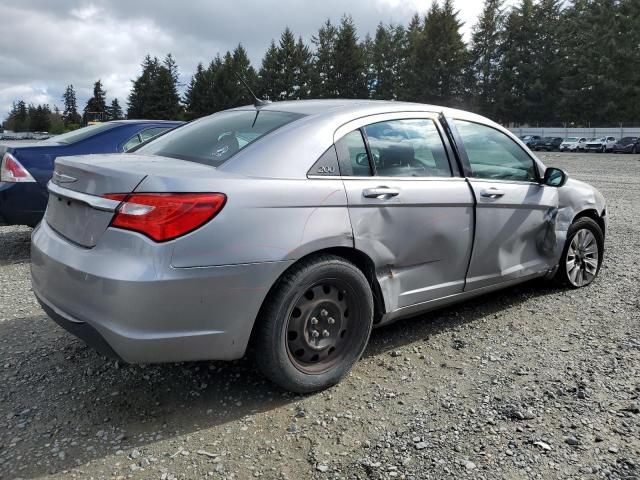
257,102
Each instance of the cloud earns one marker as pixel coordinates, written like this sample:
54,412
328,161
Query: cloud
47,45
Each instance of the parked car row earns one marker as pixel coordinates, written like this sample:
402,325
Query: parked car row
583,144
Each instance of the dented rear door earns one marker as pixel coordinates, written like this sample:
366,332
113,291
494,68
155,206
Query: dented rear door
418,227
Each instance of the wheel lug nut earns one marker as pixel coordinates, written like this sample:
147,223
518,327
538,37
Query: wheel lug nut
325,333
315,334
331,320
314,321
324,313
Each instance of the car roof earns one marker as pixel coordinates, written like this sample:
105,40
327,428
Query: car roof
350,106
168,122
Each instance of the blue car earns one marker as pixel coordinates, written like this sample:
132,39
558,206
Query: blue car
26,168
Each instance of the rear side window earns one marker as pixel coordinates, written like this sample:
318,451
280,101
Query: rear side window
213,140
132,142
407,148
352,152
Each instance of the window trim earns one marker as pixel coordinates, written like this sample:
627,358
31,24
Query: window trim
361,122
464,157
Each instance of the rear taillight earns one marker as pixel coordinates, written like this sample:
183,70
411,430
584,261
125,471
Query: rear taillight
12,171
165,216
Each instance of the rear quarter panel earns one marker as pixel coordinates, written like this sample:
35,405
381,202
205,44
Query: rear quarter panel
264,219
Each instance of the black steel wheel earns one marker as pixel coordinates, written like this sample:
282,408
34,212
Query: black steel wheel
315,324
318,330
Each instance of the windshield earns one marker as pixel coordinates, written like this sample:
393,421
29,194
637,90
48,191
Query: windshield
572,139
82,133
627,140
213,140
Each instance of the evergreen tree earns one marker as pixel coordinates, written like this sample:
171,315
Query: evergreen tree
197,93
302,71
165,88
18,119
269,75
442,57
154,94
70,114
518,70
385,61
56,122
285,71
349,69
115,110
601,69
544,87
485,59
141,89
411,82
324,81
39,120
96,107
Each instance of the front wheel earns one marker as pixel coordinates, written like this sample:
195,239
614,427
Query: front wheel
582,255
315,324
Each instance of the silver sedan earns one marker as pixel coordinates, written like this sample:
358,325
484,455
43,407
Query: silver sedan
296,227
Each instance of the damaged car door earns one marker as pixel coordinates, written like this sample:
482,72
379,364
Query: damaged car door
515,211
409,213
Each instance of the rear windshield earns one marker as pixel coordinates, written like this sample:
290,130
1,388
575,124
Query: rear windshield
82,133
213,140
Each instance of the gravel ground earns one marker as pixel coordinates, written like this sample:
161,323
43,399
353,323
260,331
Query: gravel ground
531,382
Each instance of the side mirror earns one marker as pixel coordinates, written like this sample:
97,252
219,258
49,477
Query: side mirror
554,177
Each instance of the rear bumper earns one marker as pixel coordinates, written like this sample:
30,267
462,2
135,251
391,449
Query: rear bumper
130,305
22,203
82,330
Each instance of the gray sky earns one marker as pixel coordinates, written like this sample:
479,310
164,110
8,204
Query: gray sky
47,44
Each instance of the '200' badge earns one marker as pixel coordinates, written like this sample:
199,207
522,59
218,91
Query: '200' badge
326,169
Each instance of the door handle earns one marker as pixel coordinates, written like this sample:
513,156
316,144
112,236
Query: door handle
492,193
380,192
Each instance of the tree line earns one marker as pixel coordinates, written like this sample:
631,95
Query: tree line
544,61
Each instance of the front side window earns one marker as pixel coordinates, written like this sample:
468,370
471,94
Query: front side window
213,140
407,148
493,155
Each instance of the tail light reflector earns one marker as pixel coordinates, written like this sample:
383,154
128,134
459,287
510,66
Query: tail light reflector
165,216
11,170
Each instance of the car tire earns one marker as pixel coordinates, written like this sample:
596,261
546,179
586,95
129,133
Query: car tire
634,150
582,254
603,149
315,324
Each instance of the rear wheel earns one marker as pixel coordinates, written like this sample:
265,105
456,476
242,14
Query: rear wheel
315,325
582,255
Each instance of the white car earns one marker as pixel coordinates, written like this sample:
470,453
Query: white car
602,144
573,144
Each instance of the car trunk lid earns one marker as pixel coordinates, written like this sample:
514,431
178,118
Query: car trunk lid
77,209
